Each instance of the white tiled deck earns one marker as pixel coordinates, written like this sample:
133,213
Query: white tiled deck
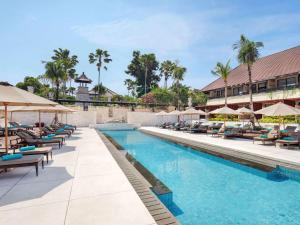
82,186
276,154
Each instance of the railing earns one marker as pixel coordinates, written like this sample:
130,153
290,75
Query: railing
267,90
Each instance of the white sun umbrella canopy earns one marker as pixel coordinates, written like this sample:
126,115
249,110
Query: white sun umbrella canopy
13,96
175,113
244,110
225,111
161,114
278,109
192,111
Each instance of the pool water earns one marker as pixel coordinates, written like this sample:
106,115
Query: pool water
208,190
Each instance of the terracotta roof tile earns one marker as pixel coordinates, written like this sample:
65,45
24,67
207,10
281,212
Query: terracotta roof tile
268,67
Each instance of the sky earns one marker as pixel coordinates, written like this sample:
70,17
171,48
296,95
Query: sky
198,33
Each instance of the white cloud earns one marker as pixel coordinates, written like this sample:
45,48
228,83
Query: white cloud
161,32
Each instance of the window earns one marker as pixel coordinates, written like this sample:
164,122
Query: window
253,88
262,87
237,90
286,83
220,93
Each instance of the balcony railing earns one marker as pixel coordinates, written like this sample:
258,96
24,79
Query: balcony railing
267,90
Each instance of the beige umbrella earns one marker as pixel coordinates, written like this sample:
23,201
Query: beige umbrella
192,111
162,114
225,111
13,96
175,113
244,111
279,109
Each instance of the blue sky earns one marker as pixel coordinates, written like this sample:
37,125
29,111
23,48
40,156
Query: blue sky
197,33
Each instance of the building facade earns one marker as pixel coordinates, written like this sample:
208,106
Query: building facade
275,78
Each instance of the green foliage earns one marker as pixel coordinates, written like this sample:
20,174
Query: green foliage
127,98
38,88
117,98
100,89
148,98
166,70
276,119
224,118
181,96
131,87
198,97
143,66
163,95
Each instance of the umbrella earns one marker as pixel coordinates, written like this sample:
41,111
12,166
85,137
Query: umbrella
192,111
225,111
175,113
244,111
162,114
279,109
13,96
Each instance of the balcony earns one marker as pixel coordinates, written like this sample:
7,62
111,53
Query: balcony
292,92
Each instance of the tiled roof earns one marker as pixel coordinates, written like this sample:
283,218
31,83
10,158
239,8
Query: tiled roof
83,78
268,67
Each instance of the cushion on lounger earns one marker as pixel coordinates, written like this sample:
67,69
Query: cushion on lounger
27,148
46,138
11,157
263,136
283,131
60,130
50,135
288,139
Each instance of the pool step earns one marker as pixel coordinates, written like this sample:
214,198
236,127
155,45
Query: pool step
157,209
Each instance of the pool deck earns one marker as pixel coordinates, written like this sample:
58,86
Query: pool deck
83,185
241,148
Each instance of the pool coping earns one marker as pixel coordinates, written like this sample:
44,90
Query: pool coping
256,159
156,208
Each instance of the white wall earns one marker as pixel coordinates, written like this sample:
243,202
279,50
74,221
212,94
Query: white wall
148,118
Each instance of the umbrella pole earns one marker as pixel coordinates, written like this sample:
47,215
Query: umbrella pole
6,128
66,118
11,113
40,124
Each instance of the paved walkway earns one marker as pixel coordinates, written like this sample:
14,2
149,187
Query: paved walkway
82,186
244,146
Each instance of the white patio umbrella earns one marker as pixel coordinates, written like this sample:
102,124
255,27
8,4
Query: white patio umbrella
224,111
192,111
279,109
161,114
244,111
175,113
13,96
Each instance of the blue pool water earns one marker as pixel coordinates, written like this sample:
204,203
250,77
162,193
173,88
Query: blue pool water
208,190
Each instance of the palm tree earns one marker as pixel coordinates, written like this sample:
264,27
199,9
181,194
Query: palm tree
248,53
166,70
147,61
178,75
56,74
223,71
100,57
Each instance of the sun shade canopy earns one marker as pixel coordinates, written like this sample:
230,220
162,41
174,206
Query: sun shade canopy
192,111
13,96
244,110
56,108
225,111
175,112
161,113
279,109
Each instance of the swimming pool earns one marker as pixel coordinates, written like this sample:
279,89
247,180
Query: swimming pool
210,190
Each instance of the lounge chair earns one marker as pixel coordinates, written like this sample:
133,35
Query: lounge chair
46,151
271,136
46,132
18,125
28,139
292,139
54,131
26,160
57,127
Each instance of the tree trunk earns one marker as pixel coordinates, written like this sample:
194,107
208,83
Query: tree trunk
252,116
166,82
98,83
57,91
146,73
225,81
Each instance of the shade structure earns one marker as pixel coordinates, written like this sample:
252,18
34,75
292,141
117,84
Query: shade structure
162,113
13,96
225,111
192,111
244,110
278,109
174,112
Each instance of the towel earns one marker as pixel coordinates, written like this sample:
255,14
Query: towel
27,148
11,157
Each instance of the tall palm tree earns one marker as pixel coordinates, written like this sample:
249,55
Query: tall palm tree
178,75
223,71
166,70
100,57
248,53
148,62
56,74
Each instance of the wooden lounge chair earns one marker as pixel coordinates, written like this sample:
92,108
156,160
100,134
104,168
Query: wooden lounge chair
269,137
56,127
18,125
26,160
292,139
50,129
46,132
28,139
46,151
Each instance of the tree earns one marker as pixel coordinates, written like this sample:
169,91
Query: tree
181,93
166,70
223,71
163,95
67,61
32,82
143,69
178,75
248,53
100,89
100,57
56,74
198,97
131,87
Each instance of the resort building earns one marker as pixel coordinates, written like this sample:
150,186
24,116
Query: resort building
275,78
